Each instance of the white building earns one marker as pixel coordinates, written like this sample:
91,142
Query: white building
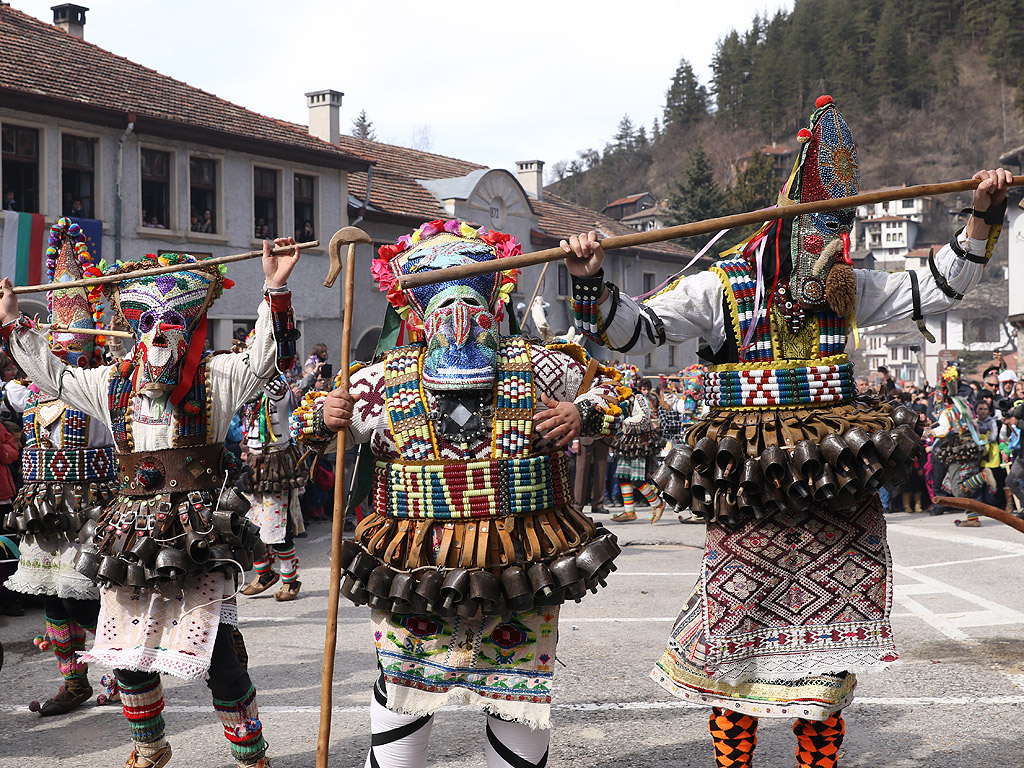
132,144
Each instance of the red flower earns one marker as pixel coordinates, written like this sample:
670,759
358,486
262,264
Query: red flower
388,252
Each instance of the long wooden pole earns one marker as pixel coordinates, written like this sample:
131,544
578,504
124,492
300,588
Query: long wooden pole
281,250
323,742
85,331
694,228
973,505
536,290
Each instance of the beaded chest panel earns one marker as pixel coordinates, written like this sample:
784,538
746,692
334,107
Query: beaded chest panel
191,416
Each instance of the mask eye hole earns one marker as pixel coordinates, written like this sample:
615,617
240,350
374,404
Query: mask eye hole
147,321
173,318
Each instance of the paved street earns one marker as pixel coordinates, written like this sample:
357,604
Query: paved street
956,700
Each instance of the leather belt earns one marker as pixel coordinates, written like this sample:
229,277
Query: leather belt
172,470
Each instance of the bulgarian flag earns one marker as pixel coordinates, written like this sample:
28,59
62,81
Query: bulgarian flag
21,254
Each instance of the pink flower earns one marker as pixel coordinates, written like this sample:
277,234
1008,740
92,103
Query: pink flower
405,241
453,226
383,274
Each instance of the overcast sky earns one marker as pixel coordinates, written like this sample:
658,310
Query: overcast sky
488,82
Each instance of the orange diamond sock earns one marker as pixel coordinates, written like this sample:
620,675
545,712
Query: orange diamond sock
734,735
818,742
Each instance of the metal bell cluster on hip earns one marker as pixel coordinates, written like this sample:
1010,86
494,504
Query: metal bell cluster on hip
718,480
52,510
148,542
275,470
475,592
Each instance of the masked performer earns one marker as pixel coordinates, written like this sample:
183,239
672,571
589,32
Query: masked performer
795,589
167,549
637,442
275,497
959,446
473,542
67,468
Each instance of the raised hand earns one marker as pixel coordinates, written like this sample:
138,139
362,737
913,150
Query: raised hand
585,254
8,301
992,190
277,269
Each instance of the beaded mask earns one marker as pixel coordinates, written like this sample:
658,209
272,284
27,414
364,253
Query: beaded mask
167,316
67,258
458,319
820,243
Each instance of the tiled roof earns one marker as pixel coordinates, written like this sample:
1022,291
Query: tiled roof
394,191
559,218
46,69
626,200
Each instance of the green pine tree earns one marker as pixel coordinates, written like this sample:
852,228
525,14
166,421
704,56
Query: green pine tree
362,128
686,101
697,196
756,186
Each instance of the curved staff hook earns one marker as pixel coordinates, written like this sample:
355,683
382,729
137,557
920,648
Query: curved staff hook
350,236
973,505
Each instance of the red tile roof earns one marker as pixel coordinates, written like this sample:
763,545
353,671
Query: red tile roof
394,192
626,200
78,78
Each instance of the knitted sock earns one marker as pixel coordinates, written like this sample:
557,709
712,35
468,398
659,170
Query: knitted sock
242,726
627,497
143,705
67,637
651,494
818,742
289,564
265,566
734,735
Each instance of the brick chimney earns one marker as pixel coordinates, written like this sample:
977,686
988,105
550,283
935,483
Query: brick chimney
531,176
324,119
70,18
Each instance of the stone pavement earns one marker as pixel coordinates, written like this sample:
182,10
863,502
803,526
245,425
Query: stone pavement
955,700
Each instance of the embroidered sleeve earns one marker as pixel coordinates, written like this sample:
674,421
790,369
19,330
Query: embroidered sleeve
688,308
307,422
81,388
567,372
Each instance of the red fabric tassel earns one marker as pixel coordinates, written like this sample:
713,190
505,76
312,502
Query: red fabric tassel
192,358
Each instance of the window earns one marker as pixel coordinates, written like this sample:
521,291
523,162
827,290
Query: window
671,355
156,188
647,362
202,195
20,169
78,163
648,282
563,280
305,220
264,202
907,204
980,330
906,353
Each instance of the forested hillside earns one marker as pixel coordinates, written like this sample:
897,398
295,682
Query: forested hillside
932,89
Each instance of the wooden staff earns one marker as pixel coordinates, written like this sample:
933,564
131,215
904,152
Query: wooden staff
351,236
536,290
973,505
693,228
85,331
282,250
